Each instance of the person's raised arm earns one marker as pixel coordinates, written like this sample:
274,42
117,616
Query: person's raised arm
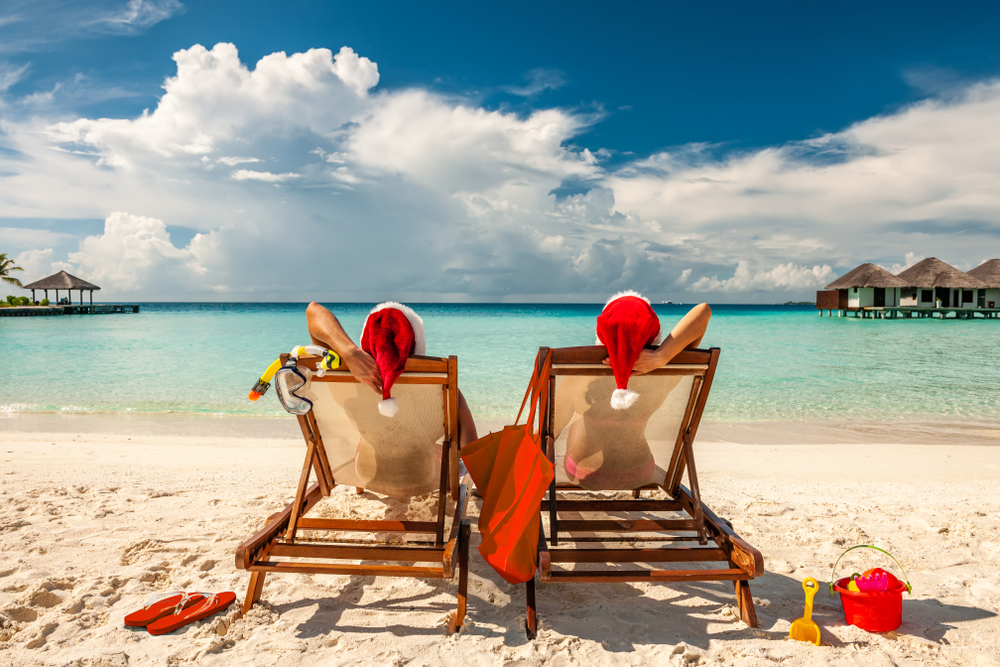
325,330
688,333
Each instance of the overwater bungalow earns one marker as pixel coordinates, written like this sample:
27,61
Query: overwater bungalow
989,273
934,284
867,285
929,287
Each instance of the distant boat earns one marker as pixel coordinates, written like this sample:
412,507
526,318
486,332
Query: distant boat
671,303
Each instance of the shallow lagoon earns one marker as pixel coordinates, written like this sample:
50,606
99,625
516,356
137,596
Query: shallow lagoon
778,363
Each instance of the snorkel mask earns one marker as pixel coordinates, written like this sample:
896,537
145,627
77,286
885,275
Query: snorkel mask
290,381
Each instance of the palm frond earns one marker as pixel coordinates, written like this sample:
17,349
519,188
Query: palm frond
7,266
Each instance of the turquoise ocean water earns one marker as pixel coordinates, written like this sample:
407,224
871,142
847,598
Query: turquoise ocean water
779,363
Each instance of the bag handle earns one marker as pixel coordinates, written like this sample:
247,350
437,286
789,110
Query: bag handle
909,588
534,388
536,391
527,392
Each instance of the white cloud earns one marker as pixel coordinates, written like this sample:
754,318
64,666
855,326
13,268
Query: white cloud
432,197
37,264
454,147
266,176
233,161
32,25
784,277
928,171
129,253
215,101
539,80
909,260
135,16
11,74
356,72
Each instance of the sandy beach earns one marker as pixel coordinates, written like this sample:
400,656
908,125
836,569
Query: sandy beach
92,524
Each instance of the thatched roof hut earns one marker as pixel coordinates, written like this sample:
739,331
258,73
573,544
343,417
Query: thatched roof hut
932,272
988,272
62,280
867,275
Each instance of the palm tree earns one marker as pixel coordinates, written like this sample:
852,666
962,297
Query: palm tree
7,267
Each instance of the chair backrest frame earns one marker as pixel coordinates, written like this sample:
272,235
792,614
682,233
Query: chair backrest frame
418,370
699,363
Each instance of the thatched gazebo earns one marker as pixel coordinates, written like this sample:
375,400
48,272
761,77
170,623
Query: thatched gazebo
989,273
63,281
953,287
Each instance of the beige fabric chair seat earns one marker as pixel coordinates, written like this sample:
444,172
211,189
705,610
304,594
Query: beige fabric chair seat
398,456
616,449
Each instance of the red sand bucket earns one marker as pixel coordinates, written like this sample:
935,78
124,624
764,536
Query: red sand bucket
873,611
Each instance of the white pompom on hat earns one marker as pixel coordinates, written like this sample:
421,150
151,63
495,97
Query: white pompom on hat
392,333
625,326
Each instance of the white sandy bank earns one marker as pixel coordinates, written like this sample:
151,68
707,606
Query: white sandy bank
91,525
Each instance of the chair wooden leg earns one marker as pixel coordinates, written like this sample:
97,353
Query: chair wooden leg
253,591
464,535
745,602
531,621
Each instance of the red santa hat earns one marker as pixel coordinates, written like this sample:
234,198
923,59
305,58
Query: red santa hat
625,326
392,333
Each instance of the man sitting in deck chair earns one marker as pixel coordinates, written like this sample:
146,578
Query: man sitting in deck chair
625,326
392,332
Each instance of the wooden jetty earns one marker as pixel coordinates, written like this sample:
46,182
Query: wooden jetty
99,309
63,281
892,313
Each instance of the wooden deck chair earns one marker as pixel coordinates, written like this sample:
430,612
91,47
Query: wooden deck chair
413,453
646,447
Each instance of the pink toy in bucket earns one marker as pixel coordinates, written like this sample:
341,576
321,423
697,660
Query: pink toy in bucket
874,582
872,601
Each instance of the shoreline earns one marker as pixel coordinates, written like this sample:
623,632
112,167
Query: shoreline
845,431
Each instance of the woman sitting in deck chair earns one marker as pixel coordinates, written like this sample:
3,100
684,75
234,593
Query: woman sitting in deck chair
626,326
392,332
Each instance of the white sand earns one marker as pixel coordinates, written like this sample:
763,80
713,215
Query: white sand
91,525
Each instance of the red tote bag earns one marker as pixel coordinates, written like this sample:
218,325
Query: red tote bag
512,474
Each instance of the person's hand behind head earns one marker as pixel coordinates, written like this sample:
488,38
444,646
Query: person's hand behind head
648,361
364,369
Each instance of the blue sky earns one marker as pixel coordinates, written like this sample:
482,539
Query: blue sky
789,103
666,74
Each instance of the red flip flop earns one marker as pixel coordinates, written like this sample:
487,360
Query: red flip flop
161,605
211,604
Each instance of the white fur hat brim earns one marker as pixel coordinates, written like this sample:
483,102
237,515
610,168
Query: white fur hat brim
419,341
628,292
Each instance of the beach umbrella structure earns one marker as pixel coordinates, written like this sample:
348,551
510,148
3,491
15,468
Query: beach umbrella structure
937,280
989,273
63,281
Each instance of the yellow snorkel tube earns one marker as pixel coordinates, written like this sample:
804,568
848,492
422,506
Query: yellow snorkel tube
329,362
264,383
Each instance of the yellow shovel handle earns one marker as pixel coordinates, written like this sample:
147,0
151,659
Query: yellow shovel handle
810,586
